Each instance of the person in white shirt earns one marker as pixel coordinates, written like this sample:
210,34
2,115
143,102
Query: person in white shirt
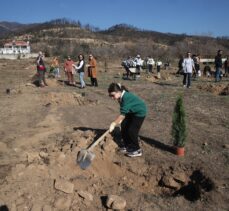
150,64
139,63
188,67
80,69
159,63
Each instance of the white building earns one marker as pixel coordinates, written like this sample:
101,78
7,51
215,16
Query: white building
16,47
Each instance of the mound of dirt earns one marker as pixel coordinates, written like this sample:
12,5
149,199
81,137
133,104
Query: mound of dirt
59,183
52,82
225,91
218,89
66,98
152,78
164,76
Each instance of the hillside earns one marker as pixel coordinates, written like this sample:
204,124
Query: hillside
7,28
64,37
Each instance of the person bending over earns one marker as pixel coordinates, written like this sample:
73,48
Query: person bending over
132,114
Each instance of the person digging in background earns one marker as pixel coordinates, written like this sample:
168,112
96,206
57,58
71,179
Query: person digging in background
132,114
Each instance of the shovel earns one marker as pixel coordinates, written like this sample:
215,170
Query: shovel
85,156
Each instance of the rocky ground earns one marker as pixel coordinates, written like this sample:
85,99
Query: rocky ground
43,129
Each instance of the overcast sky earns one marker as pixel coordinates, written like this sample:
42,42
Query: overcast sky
193,17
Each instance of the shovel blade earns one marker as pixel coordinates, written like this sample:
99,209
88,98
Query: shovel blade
84,158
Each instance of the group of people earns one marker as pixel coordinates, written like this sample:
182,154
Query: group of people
132,108
190,67
133,66
71,68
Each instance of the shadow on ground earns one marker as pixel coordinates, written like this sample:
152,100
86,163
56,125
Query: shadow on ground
157,144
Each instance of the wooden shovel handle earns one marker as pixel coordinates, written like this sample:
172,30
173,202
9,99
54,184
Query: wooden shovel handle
98,140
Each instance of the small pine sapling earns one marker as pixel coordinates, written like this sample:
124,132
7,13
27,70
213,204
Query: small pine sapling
179,130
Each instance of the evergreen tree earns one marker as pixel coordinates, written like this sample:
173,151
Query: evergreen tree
179,131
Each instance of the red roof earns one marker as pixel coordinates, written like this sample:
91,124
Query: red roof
16,43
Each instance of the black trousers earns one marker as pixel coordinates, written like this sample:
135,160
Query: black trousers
127,71
94,81
130,128
150,68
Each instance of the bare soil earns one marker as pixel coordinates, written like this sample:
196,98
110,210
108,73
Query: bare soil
43,129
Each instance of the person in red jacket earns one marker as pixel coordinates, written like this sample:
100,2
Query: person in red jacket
68,69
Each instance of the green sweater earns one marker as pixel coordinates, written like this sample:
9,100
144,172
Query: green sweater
131,104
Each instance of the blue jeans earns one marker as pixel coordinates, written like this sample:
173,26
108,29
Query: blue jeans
218,74
82,83
187,79
56,71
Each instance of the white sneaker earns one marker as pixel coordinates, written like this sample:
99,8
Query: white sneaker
122,150
136,153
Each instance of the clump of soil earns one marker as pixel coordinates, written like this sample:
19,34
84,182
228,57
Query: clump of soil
65,98
225,91
152,78
218,89
165,76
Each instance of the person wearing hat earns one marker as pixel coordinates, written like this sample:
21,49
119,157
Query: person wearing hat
68,69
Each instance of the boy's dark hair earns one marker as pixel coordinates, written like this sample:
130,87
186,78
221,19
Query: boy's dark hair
116,87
